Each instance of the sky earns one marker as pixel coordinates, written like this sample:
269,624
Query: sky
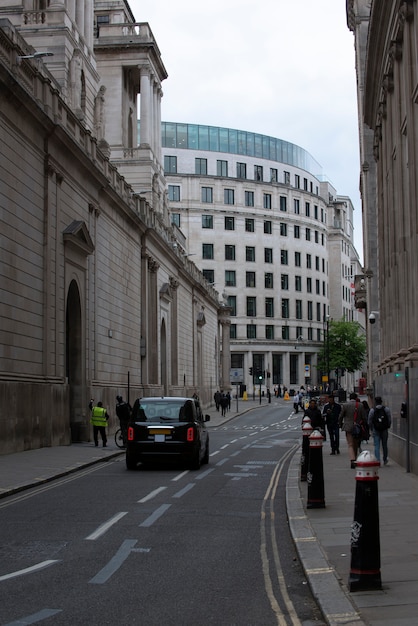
277,67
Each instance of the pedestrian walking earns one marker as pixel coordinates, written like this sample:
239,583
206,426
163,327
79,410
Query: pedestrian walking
123,411
224,404
99,419
316,417
380,420
296,401
217,397
351,416
331,414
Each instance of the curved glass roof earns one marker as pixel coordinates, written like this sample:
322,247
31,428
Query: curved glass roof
228,140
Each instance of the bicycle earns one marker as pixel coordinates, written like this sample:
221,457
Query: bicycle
120,439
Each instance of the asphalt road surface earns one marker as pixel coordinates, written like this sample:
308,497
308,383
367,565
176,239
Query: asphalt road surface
160,545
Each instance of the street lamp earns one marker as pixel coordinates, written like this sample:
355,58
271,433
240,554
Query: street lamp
326,349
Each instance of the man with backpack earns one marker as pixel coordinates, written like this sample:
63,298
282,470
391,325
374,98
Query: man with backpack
380,420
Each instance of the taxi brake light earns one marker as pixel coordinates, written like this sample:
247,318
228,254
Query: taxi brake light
190,434
130,433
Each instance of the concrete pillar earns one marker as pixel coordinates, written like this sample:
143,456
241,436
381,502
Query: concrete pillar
225,322
145,107
80,7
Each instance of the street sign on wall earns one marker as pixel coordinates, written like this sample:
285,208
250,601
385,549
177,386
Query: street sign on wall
236,375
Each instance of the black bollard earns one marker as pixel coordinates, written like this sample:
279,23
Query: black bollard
304,459
365,538
316,496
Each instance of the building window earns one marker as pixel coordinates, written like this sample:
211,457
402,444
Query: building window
317,287
251,331
251,306
207,221
309,284
267,227
297,181
170,165
229,253
296,232
308,234
310,310
268,280
283,203
232,331
175,219
267,200
317,263
273,175
296,206
284,257
310,334
201,166
315,211
305,184
298,259
250,279
249,225
298,283
269,307
316,237
221,168
258,172
229,223
209,276
229,196
269,331
249,198
241,170
174,193
318,311
268,255
285,282
283,229
285,308
307,209
309,261
298,309
207,194
250,253
232,304
285,332
207,251
230,278
286,178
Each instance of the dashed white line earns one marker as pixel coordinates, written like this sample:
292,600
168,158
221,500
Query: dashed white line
28,570
105,526
152,494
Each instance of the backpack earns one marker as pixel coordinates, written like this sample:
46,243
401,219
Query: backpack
380,419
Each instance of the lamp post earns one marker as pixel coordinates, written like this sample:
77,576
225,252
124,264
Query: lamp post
326,349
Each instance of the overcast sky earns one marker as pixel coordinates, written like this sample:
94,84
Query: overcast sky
283,68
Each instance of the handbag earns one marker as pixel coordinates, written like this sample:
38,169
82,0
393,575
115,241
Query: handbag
356,430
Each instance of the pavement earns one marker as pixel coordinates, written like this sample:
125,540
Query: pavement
322,536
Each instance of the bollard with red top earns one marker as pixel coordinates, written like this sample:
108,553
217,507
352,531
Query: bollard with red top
316,494
365,538
304,459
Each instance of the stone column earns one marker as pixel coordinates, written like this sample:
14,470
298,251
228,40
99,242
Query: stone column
80,16
88,24
225,321
145,106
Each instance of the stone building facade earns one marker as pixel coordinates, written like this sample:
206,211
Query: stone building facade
96,297
386,41
270,232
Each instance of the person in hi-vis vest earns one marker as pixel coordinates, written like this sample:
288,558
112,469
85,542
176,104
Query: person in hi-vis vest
99,419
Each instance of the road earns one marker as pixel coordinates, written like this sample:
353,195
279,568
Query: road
162,546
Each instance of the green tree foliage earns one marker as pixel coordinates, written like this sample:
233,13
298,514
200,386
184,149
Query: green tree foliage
346,345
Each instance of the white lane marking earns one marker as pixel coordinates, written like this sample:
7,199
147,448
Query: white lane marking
157,513
105,526
221,462
180,475
29,570
214,453
185,489
152,494
36,617
114,563
225,446
204,474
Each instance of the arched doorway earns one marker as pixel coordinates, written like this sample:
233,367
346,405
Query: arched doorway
73,357
164,380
